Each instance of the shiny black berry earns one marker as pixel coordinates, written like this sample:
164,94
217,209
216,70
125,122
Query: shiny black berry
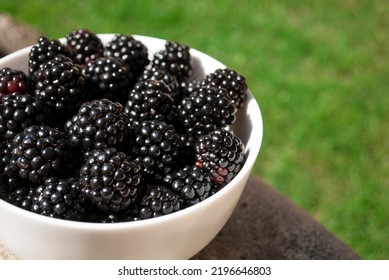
38,152
44,51
163,75
131,51
176,59
205,110
59,198
108,77
157,201
100,123
151,100
111,179
190,183
230,80
60,84
85,44
156,146
221,154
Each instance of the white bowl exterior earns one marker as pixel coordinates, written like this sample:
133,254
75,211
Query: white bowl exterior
176,236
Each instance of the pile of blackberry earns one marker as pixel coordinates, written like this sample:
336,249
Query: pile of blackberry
110,133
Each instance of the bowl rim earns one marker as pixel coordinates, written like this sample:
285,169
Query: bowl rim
82,225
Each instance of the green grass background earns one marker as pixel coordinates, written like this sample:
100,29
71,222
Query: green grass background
320,72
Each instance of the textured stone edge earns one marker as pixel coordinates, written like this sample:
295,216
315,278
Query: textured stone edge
15,34
6,254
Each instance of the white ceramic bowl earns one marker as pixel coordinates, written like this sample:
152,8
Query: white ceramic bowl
176,236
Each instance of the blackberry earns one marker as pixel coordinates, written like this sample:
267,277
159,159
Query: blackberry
60,84
85,45
150,100
38,152
111,179
44,51
205,110
13,82
164,76
59,198
98,124
133,52
19,112
22,197
156,146
191,184
176,59
221,154
9,183
232,81
157,201
108,77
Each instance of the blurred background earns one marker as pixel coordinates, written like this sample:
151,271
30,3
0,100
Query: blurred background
319,71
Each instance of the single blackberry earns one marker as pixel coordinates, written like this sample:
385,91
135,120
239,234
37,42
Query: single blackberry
98,124
13,82
156,146
108,77
133,52
44,51
157,201
85,44
221,154
205,110
38,152
111,179
19,112
150,100
164,76
175,58
191,184
231,81
59,198
60,84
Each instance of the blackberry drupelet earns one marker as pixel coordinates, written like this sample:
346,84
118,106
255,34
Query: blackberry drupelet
164,76
19,112
133,52
111,179
60,198
108,77
230,80
44,51
38,152
176,59
60,84
205,110
191,184
156,201
150,100
156,146
221,154
98,124
85,45
13,82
